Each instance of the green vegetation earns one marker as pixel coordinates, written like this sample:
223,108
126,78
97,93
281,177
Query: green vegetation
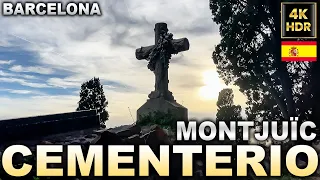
164,120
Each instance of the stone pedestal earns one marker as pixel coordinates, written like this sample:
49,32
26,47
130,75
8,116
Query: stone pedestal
163,105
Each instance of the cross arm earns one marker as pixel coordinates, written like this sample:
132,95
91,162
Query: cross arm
178,44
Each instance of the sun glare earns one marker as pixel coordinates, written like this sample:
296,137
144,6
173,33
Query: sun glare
212,85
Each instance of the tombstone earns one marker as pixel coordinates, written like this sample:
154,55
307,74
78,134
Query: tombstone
158,55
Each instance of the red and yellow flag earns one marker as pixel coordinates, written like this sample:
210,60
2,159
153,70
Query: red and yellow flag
292,51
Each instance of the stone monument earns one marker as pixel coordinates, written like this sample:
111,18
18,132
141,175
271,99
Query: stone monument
158,55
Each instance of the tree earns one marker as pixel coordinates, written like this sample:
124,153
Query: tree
249,57
92,97
226,109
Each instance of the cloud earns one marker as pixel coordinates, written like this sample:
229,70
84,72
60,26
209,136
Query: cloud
21,91
75,82
4,41
36,105
6,62
64,83
33,69
24,82
70,50
25,76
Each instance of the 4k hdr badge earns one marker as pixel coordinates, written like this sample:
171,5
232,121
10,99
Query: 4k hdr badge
298,20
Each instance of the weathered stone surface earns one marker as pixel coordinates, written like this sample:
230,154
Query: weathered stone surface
109,138
181,44
72,137
156,136
135,139
46,143
159,55
127,131
162,105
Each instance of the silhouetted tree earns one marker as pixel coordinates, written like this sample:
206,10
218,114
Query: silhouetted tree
226,109
249,56
92,97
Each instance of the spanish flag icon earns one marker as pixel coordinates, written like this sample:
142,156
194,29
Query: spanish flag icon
293,51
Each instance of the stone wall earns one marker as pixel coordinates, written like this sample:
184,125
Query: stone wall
24,128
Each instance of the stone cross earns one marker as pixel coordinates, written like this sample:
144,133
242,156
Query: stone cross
158,56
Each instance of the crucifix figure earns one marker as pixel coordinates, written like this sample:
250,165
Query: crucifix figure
158,56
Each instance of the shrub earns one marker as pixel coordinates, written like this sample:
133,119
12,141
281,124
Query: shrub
164,120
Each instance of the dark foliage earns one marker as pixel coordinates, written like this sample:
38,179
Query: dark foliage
226,109
249,57
92,97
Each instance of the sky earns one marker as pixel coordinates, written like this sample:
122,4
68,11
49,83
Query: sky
44,60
